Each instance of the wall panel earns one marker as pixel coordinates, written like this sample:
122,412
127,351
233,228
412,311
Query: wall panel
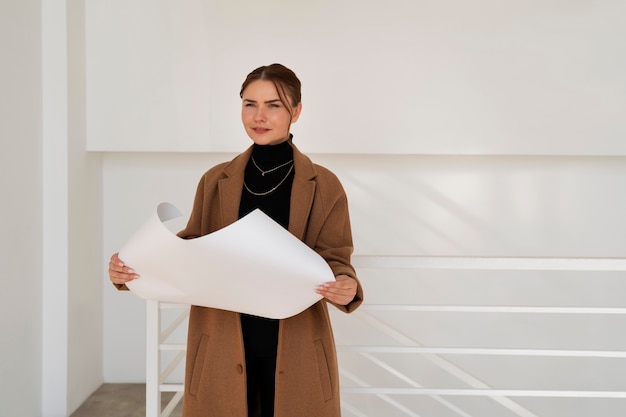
422,77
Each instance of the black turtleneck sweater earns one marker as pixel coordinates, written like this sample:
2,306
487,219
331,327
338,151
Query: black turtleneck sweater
260,334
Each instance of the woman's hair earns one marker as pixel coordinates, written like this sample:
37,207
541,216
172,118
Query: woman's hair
285,80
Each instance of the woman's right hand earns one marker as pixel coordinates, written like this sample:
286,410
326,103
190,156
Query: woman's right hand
119,273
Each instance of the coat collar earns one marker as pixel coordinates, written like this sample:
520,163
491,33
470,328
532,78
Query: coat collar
302,191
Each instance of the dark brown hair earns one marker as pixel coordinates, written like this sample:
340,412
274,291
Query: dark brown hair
285,80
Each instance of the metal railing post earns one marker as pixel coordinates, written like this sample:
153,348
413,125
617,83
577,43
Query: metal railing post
153,359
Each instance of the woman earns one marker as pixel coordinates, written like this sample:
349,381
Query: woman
240,365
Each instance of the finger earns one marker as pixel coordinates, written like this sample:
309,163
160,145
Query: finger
338,299
123,275
120,273
116,264
335,291
121,278
339,296
342,286
115,260
344,281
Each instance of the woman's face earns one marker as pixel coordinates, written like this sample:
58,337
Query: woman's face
264,116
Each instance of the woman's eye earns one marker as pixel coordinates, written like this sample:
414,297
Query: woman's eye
248,105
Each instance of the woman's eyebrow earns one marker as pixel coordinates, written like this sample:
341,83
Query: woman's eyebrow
266,102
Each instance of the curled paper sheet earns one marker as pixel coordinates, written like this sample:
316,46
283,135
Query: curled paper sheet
252,266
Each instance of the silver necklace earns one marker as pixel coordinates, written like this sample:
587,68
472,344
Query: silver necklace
263,172
272,189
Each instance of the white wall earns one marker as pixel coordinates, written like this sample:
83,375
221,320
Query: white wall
51,310
21,210
446,77
85,334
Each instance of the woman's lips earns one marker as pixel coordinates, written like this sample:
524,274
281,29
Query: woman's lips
260,130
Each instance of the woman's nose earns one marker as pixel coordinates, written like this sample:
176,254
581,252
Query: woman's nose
260,114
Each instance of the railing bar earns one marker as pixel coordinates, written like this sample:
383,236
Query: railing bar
153,359
486,392
495,263
494,309
485,351
171,388
173,346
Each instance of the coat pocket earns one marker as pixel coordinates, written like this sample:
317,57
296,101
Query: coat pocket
322,365
198,364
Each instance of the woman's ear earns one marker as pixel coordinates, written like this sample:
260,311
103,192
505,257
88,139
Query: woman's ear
296,113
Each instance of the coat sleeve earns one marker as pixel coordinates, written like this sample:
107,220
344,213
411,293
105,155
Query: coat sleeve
334,243
194,224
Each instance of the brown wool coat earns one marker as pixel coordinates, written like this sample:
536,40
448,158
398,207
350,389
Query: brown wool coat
307,380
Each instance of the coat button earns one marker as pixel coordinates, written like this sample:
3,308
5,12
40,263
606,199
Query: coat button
240,369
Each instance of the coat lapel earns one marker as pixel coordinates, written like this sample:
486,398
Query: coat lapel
302,194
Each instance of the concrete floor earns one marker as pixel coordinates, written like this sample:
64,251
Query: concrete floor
121,400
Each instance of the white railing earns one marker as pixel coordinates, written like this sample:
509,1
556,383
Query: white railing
157,340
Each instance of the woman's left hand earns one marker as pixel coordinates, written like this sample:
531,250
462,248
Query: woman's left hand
341,291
